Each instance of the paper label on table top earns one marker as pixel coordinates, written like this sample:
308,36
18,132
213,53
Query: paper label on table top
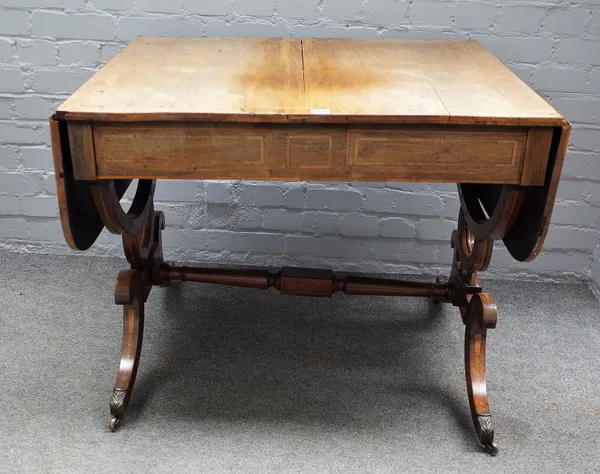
320,111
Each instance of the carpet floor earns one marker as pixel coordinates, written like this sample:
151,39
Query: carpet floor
247,381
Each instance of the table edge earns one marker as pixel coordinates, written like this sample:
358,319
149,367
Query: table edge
557,121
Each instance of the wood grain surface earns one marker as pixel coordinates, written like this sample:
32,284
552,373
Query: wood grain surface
437,81
308,80
155,78
81,142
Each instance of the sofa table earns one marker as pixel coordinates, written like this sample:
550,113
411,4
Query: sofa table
316,110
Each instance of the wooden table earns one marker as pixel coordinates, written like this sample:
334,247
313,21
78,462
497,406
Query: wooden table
295,110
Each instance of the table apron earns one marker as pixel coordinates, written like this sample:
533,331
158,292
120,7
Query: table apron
410,153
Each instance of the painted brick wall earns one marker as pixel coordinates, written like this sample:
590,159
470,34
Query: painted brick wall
50,47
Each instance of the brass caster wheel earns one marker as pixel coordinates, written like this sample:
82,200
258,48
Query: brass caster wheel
113,424
492,449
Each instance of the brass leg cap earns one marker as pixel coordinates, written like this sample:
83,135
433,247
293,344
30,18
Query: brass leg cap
492,449
113,424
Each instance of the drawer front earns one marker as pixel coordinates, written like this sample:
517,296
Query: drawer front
172,151
308,153
276,152
424,155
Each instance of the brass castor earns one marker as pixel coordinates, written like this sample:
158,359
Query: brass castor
492,448
113,424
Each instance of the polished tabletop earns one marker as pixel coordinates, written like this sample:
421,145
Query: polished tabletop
308,80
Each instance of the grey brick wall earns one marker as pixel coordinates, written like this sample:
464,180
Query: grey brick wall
50,47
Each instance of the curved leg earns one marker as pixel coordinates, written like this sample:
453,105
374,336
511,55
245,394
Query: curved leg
144,252
129,293
141,229
481,315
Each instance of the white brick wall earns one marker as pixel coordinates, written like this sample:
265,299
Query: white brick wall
50,47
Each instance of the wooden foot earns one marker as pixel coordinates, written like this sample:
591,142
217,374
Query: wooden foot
131,294
481,315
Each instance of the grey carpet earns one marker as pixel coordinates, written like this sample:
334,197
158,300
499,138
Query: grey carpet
236,380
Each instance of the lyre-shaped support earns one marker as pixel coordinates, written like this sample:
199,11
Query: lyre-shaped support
479,313
140,228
